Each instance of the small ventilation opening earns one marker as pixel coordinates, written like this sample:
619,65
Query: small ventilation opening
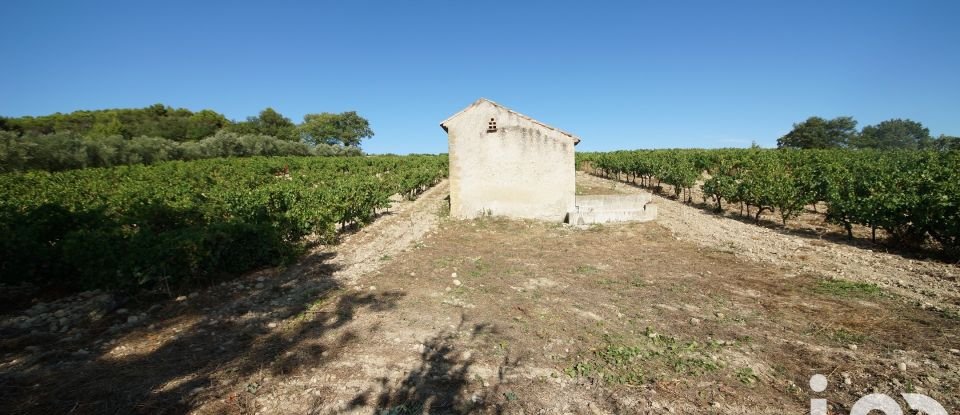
492,126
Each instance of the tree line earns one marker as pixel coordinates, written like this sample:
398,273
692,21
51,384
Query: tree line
841,132
104,138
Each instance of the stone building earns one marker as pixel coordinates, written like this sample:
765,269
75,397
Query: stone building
505,163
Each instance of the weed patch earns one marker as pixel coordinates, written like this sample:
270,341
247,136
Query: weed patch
846,289
586,269
746,376
844,336
644,359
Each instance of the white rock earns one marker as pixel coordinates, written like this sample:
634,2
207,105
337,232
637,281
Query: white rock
902,366
181,298
454,275
955,351
457,283
852,347
272,324
373,288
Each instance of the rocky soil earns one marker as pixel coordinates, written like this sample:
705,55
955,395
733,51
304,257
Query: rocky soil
929,284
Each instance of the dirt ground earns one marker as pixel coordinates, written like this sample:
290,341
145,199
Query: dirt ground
418,313
807,245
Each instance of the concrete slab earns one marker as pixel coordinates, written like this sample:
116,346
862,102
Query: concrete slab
612,208
613,202
586,217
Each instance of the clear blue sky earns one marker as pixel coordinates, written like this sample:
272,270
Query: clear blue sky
639,74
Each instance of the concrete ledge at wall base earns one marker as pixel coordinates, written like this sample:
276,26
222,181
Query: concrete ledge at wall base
613,202
647,214
612,208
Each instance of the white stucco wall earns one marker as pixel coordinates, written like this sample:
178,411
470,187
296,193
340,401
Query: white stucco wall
524,170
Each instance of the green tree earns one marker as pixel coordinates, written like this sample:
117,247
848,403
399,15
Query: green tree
157,110
818,132
894,134
157,120
274,124
346,128
107,124
268,122
205,123
946,143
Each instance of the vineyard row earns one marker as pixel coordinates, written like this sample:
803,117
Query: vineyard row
914,196
155,226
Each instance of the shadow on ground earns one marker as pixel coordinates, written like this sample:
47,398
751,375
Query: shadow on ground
196,350
441,382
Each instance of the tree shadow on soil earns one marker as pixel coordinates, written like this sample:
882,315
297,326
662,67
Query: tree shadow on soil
196,350
441,383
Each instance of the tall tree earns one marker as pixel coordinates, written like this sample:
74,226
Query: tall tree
946,143
346,128
205,123
274,124
106,125
894,134
268,122
818,132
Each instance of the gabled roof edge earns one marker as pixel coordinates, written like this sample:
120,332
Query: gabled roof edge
457,114
576,140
